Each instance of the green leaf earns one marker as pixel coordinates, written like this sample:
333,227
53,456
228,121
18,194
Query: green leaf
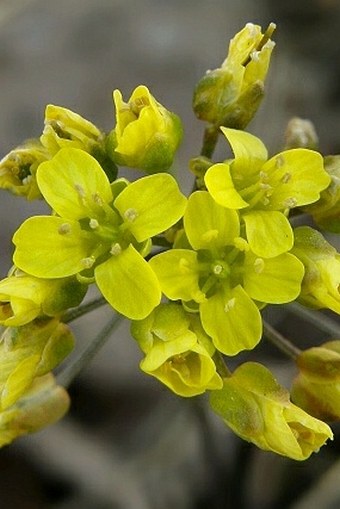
269,233
50,247
74,184
151,205
128,283
207,224
232,320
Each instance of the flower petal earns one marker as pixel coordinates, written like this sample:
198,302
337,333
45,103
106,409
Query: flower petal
221,187
74,184
207,224
273,280
49,247
297,177
269,233
232,320
249,151
151,205
128,283
178,272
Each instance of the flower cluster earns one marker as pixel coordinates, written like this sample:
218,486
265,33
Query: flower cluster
191,273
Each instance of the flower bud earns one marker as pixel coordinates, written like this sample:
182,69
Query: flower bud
30,351
66,129
178,351
301,133
316,389
230,95
259,410
326,211
18,169
43,404
146,135
321,283
23,298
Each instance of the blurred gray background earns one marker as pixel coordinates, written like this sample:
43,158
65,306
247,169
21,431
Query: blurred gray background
128,443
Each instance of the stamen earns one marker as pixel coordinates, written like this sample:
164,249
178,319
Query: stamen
229,305
130,215
289,203
64,229
97,199
116,249
286,178
80,190
258,265
93,223
280,161
88,262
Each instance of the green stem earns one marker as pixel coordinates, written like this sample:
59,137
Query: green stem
210,138
322,322
66,377
73,314
280,341
221,366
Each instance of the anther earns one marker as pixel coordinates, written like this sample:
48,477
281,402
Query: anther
116,249
229,304
64,229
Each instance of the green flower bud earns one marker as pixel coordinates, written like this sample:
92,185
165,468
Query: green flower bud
326,211
259,410
23,298
18,169
230,95
30,351
43,404
316,389
178,351
146,135
321,283
301,133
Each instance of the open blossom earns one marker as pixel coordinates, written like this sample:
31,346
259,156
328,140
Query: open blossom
218,275
177,350
259,410
99,231
264,190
